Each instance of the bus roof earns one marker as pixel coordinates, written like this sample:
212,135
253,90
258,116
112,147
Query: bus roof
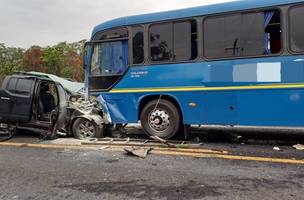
190,12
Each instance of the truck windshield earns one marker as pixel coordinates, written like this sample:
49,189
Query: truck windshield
109,58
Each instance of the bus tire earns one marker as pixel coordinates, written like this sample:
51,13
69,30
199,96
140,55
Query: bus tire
160,118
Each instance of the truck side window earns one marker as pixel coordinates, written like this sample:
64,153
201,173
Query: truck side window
11,86
24,87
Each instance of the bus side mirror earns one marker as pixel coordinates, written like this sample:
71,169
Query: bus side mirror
85,53
86,66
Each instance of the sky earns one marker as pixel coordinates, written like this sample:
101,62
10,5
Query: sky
25,23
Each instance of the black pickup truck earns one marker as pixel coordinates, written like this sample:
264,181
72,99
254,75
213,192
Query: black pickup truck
38,103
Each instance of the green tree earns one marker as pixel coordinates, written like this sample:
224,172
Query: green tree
10,60
64,59
55,59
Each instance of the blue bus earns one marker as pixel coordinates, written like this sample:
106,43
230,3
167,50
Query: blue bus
239,63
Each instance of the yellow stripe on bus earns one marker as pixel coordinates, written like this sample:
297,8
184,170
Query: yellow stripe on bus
186,89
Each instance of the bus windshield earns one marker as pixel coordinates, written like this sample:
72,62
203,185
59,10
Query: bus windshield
109,58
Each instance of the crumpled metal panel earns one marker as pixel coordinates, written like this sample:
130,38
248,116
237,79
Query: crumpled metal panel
105,108
112,111
87,109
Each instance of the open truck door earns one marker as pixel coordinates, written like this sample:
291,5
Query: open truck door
61,119
59,116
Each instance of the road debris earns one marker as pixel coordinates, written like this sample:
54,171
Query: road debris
104,147
93,139
276,148
139,152
299,147
163,141
127,140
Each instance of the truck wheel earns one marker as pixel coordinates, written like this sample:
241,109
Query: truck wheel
86,129
160,118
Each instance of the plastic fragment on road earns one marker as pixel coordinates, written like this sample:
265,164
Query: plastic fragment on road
276,148
138,152
162,141
299,147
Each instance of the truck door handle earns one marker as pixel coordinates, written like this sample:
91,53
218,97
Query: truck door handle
5,98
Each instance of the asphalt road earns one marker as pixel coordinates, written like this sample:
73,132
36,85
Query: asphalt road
34,173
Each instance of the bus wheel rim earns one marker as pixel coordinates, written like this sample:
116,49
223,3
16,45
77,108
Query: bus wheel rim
159,120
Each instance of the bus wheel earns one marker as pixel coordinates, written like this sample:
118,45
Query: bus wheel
160,118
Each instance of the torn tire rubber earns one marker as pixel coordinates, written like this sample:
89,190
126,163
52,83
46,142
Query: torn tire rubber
160,118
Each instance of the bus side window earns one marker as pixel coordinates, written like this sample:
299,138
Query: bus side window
222,36
185,40
272,23
175,41
296,29
161,47
252,34
241,35
138,45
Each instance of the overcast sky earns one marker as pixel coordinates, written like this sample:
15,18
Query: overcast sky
24,23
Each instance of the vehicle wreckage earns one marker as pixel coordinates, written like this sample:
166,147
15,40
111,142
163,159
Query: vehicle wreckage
50,105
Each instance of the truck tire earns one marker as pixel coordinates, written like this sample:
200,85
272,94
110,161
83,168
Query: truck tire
86,129
160,118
